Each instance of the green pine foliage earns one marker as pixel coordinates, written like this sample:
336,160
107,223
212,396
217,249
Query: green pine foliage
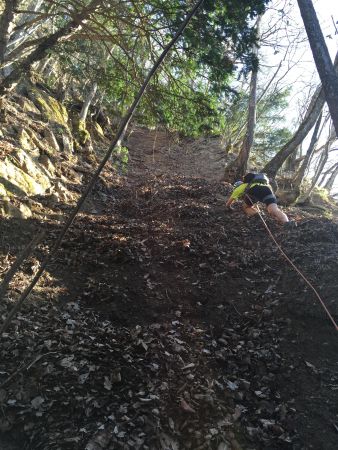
191,91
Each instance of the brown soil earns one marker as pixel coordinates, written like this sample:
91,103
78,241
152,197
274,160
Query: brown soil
165,322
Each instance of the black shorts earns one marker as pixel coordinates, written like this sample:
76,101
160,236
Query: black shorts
259,194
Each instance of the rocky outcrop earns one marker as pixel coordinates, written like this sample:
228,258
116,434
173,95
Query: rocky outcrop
34,136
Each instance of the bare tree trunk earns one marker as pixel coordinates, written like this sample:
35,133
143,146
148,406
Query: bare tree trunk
331,180
6,21
314,139
237,168
325,68
21,33
322,161
316,105
314,109
87,102
48,43
291,162
328,172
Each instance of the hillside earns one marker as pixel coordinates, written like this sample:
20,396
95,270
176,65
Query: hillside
164,322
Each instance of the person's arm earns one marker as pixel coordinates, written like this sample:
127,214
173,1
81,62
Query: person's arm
236,194
229,202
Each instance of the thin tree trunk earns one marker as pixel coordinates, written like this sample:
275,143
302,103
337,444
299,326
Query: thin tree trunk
20,32
316,105
314,139
291,162
331,180
237,168
325,68
6,21
87,102
325,174
322,161
45,46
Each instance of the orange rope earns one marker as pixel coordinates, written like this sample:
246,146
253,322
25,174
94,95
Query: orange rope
298,270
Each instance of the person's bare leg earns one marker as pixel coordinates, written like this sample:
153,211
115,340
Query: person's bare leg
276,213
249,210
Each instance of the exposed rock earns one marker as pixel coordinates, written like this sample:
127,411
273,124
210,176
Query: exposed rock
17,181
51,139
3,191
27,105
45,161
10,210
27,143
57,117
67,144
28,165
53,110
61,191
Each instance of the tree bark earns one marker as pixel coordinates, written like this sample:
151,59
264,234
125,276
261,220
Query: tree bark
314,109
322,161
87,102
47,44
331,180
6,21
238,167
316,105
325,68
301,173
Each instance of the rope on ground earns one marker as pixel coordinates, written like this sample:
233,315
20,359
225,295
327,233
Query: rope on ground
300,273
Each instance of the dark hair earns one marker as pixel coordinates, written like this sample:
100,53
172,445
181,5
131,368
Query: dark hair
249,177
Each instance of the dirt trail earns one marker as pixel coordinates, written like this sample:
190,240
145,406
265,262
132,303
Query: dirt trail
166,323
156,152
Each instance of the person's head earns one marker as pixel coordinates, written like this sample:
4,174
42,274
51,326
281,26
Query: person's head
248,178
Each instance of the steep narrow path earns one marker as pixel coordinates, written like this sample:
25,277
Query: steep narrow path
166,323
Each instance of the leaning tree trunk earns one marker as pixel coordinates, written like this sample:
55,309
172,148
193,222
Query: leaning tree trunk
322,161
312,146
82,130
314,109
45,46
316,105
21,40
21,33
325,68
238,167
291,195
331,180
87,102
292,162
6,21
325,174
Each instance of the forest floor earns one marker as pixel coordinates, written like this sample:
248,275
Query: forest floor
165,322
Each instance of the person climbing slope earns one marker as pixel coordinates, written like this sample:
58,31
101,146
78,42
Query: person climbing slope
255,188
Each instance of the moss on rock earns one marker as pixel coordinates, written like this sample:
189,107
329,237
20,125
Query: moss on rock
22,176
53,110
27,142
83,133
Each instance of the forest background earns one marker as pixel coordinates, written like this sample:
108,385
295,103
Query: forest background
242,71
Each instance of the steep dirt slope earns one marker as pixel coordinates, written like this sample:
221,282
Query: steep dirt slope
166,323
159,152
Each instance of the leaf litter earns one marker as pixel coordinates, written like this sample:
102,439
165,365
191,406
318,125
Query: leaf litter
177,330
